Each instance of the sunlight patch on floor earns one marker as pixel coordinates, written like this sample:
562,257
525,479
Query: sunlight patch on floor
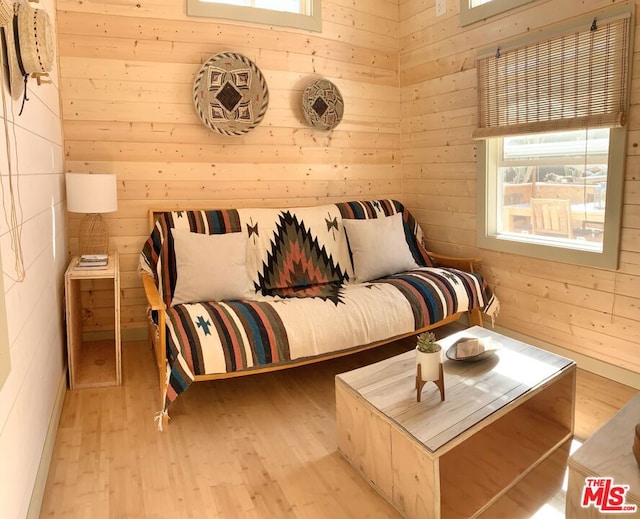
575,445
548,512
555,508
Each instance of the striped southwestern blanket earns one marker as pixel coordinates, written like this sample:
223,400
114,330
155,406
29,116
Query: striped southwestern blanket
283,324
220,337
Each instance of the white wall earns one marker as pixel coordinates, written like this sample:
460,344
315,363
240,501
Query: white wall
35,305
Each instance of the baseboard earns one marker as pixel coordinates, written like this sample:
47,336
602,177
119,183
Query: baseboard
127,334
604,369
47,451
135,334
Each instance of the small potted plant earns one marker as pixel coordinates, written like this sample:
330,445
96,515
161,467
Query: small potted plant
428,356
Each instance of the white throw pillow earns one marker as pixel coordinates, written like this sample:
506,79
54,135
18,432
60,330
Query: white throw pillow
378,247
210,267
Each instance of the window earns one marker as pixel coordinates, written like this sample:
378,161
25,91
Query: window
301,14
551,157
475,10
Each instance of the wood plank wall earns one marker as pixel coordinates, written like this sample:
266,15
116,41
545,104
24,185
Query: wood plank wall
587,310
126,75
127,71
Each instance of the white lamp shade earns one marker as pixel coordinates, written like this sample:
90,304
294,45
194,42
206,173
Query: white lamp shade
91,193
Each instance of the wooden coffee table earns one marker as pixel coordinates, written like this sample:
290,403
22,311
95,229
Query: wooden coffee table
502,416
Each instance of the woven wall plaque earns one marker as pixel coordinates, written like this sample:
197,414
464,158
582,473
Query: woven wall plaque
230,94
322,104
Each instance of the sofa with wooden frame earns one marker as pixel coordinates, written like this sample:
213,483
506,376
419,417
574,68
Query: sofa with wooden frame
243,291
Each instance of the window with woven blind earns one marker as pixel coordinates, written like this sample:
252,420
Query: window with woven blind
552,140
576,79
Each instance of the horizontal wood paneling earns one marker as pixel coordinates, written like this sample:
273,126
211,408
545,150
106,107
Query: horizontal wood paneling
590,311
408,78
169,21
126,76
225,153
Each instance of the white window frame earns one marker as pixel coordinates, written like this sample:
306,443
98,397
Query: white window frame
489,238
213,9
469,15
487,170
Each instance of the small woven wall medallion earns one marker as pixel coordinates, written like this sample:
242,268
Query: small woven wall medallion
322,104
230,94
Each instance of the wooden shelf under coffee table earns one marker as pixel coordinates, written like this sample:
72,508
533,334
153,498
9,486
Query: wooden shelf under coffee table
502,416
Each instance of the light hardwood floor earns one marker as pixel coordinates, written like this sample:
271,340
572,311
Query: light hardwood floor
259,447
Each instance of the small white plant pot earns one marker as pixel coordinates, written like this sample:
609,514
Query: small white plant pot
430,364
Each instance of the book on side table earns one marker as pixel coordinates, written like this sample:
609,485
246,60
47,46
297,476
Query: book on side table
93,261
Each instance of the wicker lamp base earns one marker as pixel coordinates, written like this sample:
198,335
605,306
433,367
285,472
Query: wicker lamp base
94,235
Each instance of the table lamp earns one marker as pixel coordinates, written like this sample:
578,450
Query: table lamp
92,194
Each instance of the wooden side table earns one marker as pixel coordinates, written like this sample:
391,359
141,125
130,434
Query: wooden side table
95,363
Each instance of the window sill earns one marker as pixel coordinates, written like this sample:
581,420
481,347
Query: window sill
549,249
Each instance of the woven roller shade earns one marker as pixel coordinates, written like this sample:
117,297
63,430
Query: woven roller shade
574,80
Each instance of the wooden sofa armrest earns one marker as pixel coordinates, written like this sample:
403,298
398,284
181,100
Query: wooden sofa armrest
465,264
157,335
151,291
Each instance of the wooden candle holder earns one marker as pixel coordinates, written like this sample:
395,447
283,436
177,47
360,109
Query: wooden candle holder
420,383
